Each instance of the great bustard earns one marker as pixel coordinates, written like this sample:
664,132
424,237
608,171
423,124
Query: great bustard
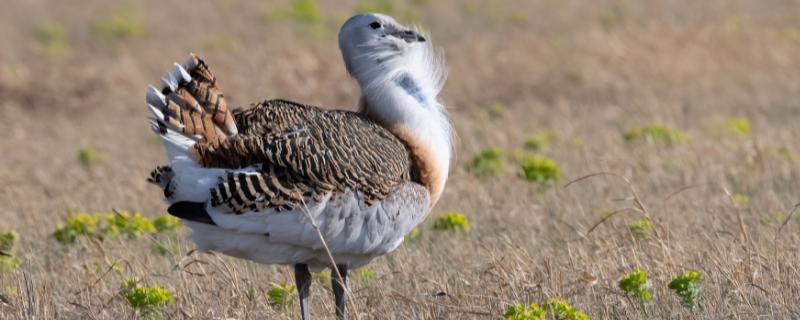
247,181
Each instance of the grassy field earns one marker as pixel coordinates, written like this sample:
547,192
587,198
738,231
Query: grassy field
688,112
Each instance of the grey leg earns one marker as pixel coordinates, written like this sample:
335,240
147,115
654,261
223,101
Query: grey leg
339,290
302,278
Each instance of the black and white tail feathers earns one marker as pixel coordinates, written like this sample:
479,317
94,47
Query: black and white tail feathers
188,110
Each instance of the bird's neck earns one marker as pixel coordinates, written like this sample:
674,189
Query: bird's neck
418,120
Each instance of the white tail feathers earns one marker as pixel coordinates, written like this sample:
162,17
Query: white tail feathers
168,119
189,109
191,61
176,145
180,73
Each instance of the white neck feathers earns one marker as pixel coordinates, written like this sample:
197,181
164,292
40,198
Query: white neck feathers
404,99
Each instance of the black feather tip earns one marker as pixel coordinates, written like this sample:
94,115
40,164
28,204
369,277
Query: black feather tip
192,211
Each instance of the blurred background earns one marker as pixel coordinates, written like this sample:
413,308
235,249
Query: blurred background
676,95
73,73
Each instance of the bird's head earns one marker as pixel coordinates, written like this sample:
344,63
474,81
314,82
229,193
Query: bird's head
376,48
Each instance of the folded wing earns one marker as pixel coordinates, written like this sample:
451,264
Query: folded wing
280,153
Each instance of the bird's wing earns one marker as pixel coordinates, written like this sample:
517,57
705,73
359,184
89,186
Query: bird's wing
326,151
297,150
273,117
347,174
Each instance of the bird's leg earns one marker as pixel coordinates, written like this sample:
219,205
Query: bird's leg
302,278
339,290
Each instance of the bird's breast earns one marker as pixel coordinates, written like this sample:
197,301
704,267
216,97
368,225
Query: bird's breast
429,169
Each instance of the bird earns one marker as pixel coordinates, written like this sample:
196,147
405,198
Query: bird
281,182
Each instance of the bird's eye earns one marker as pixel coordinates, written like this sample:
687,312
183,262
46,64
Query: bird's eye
375,25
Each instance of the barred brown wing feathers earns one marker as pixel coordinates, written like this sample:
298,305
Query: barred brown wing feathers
253,191
303,150
272,117
236,152
192,103
179,114
203,88
319,150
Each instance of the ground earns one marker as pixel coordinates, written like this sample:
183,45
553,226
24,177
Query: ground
712,191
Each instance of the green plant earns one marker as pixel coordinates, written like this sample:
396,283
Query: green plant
524,312
655,134
738,125
122,23
104,225
306,14
160,249
325,275
552,309
7,241
11,291
519,18
687,286
167,223
53,37
636,285
131,226
451,221
487,163
541,141
577,142
605,213
641,228
8,260
81,224
741,200
562,310
776,216
413,235
540,169
306,11
366,274
497,110
786,154
90,156
281,296
149,300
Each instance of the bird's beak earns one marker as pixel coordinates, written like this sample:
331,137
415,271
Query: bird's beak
408,35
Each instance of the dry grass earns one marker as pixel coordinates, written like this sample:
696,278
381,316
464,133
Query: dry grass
585,69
